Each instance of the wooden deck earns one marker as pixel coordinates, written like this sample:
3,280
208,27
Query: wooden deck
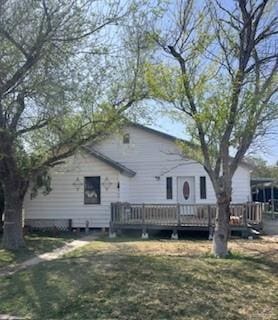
182,217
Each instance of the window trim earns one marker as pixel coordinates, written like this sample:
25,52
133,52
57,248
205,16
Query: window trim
84,199
203,187
169,184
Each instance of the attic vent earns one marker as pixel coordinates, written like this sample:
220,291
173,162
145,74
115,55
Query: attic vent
126,138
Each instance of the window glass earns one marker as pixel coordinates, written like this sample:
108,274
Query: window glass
169,188
203,188
126,138
186,190
92,190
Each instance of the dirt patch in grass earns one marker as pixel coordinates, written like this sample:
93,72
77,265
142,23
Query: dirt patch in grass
265,246
165,280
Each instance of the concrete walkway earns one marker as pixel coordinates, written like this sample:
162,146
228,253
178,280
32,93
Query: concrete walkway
8,317
50,256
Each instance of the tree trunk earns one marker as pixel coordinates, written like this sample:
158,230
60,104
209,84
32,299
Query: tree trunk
14,187
13,224
222,227
1,208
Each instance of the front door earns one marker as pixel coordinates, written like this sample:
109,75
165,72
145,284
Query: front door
186,190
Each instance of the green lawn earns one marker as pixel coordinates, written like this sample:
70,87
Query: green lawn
152,279
36,243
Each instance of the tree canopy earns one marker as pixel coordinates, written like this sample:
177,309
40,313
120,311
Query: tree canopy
263,170
69,71
224,82
216,64
62,78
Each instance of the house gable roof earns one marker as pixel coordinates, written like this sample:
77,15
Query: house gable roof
130,173
175,139
156,132
114,164
160,133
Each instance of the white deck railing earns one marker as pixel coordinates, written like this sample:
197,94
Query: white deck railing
182,215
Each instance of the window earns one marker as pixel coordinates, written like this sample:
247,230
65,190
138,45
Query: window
169,188
186,190
126,138
203,188
92,190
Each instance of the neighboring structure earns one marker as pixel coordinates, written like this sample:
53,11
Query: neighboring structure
136,165
265,190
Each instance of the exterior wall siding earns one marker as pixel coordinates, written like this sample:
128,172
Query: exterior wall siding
124,184
66,202
152,157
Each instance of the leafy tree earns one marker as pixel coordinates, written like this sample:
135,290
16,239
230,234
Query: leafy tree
217,65
263,170
66,78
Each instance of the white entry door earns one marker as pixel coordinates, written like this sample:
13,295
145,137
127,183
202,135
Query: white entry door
186,190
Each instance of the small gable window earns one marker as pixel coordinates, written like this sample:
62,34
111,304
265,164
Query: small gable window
92,190
203,188
126,138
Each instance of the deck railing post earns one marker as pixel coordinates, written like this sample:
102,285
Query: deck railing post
178,214
117,212
259,212
209,216
112,234
70,225
143,214
210,223
112,212
245,214
144,229
272,201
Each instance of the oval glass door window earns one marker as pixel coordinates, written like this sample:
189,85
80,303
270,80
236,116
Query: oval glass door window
186,190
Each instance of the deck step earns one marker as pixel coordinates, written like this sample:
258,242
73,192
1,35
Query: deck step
253,232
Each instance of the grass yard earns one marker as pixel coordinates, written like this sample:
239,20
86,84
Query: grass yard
36,243
127,279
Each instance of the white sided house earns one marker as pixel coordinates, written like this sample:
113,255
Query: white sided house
137,166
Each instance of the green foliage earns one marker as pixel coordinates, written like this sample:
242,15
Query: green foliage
263,170
63,81
164,83
198,71
42,183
